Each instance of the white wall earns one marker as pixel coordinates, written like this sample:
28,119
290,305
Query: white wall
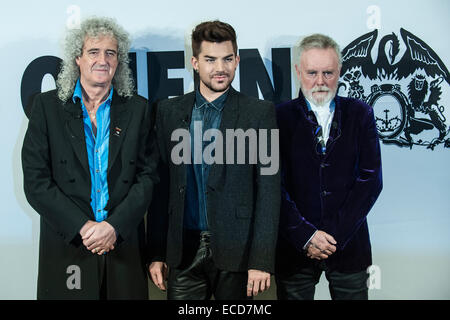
410,223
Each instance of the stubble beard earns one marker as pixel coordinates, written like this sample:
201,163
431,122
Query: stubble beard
209,84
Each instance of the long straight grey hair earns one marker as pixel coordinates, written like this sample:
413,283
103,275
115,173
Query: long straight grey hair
94,27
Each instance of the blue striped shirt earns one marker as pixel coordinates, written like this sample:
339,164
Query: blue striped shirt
97,149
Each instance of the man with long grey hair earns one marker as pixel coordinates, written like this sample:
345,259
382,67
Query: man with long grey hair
331,178
89,171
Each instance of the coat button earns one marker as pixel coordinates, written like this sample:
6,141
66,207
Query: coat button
325,193
181,189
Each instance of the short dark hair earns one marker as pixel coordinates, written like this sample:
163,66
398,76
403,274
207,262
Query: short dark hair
212,31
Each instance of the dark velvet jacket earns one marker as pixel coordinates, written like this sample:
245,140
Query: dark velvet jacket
333,193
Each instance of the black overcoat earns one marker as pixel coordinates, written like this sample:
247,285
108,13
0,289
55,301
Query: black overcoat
57,185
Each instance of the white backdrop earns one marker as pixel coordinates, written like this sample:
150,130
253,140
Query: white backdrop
410,223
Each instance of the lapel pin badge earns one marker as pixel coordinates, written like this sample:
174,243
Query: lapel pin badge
117,131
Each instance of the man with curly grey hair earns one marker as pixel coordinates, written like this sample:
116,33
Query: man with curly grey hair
89,168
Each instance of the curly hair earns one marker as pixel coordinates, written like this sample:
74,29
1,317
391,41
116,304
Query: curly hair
94,27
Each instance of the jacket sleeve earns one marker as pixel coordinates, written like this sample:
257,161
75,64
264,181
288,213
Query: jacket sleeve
293,226
129,212
267,207
41,190
367,186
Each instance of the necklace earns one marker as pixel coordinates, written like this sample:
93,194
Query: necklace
91,113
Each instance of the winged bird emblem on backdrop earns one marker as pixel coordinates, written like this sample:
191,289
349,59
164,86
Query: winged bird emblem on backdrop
403,88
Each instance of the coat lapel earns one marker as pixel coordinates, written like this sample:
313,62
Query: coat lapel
120,116
336,124
74,126
230,115
310,122
304,129
230,112
182,120
184,111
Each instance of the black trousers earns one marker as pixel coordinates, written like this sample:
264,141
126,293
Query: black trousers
302,285
102,277
197,278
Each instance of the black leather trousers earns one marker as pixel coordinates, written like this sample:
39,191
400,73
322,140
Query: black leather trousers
197,278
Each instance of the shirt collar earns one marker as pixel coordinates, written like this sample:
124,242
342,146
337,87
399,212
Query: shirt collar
78,93
217,104
312,107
